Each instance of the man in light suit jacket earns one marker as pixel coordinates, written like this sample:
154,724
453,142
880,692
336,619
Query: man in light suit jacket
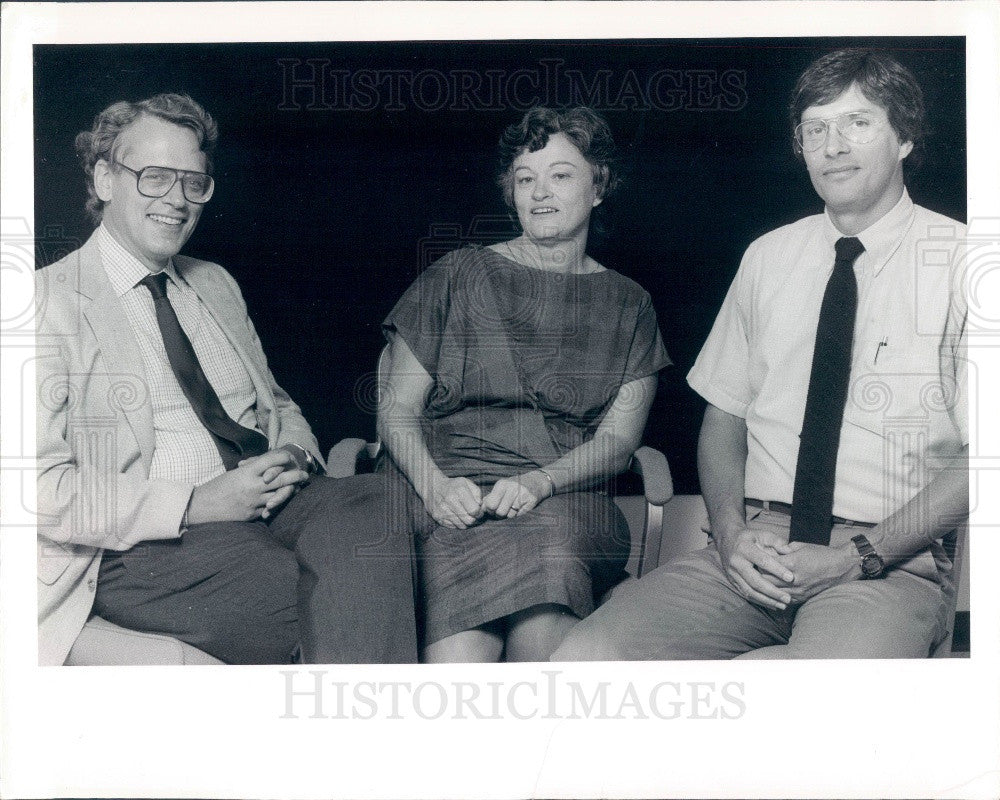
177,480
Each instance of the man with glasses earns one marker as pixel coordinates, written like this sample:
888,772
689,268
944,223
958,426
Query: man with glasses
833,452
177,480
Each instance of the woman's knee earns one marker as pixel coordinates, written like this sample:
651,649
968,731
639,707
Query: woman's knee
534,633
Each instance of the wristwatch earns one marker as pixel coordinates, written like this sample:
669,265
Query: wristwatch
307,462
871,562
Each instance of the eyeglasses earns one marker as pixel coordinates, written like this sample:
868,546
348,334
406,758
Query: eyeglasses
858,127
157,181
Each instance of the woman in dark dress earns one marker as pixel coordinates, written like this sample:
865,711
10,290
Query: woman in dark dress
520,378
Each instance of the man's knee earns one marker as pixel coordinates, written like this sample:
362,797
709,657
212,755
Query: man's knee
259,623
588,643
897,616
250,638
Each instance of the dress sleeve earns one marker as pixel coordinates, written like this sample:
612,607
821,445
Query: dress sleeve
421,314
647,355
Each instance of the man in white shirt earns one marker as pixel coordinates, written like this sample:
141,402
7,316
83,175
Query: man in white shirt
833,452
177,480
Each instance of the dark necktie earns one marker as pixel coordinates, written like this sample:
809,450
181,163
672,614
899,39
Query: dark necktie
815,473
233,440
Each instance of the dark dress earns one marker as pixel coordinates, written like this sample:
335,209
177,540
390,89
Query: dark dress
526,363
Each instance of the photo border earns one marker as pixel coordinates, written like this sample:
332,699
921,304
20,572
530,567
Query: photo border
818,729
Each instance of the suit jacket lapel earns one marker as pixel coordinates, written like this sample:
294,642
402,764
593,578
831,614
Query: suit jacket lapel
232,319
106,317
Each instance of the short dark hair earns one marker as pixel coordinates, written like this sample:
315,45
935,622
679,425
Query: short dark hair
583,126
101,141
879,76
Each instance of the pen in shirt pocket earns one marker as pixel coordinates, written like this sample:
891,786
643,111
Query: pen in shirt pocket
884,342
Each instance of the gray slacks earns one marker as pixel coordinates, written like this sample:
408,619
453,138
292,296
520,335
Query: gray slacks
688,609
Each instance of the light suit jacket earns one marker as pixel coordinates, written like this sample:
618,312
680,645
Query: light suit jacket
95,435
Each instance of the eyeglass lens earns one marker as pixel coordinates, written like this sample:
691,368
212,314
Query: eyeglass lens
157,181
856,127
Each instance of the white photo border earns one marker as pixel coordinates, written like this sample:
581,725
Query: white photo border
816,729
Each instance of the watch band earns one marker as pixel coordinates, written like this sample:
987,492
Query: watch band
307,461
863,545
871,562
311,465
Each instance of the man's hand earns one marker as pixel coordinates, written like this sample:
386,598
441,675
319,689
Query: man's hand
251,491
455,502
283,495
816,567
511,497
752,567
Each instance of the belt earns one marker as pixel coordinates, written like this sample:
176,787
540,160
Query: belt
785,508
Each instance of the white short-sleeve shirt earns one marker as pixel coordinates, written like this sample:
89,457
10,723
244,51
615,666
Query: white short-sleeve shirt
906,407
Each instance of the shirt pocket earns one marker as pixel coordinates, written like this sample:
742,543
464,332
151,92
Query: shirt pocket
901,389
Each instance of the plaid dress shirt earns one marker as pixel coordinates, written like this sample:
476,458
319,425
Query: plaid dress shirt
184,451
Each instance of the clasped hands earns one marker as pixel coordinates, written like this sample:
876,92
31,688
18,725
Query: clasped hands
459,503
773,573
254,490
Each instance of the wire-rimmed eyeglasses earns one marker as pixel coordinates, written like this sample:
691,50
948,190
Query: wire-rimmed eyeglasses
858,127
157,181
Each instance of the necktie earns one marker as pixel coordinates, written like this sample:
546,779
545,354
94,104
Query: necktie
232,439
815,472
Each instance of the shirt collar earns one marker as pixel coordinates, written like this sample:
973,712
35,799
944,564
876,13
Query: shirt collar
124,269
882,238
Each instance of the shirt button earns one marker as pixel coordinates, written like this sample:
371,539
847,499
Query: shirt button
92,584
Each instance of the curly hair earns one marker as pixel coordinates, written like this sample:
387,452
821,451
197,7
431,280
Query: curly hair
879,77
583,126
101,141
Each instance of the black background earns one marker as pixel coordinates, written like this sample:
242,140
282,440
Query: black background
325,213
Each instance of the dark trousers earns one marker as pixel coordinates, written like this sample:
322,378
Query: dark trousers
248,593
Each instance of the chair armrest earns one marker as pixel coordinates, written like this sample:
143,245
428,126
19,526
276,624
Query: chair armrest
652,465
343,459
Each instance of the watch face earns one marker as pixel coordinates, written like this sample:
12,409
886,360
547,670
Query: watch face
871,566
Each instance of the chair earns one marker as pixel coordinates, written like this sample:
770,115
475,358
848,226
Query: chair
644,513
103,644
958,550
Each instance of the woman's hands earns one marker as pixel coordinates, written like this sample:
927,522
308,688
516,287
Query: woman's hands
454,502
511,497
458,503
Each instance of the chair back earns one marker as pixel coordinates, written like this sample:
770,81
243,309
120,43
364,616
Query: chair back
956,546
